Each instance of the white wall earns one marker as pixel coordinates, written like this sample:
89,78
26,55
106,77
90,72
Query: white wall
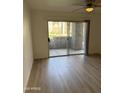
27,44
40,34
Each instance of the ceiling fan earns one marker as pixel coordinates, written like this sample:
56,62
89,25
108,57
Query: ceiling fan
88,5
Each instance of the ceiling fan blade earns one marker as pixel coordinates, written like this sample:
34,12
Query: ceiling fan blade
97,5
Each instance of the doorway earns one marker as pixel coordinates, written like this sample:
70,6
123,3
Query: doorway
67,38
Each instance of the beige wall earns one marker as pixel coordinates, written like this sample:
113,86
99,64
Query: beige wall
40,34
27,44
95,34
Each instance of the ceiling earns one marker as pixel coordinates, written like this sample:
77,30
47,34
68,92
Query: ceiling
56,5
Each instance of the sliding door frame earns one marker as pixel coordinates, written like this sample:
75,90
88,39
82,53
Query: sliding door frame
86,39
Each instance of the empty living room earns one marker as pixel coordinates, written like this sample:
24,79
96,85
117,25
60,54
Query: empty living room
62,46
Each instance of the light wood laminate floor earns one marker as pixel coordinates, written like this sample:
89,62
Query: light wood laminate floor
69,74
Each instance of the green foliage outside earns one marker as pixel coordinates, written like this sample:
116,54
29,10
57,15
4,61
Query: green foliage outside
57,34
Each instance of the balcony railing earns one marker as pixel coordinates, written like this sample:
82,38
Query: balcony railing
64,42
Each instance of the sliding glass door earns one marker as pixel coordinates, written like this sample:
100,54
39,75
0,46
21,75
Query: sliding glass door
57,38
66,38
77,35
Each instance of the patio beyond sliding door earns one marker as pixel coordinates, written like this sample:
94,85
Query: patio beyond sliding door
66,38
57,38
